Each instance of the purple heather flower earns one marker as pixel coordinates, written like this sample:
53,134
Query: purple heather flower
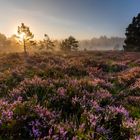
93,119
137,137
130,123
74,138
120,110
36,132
61,91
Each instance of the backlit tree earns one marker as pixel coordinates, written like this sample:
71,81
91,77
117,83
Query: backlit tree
25,35
47,44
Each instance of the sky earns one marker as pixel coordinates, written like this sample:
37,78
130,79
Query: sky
83,19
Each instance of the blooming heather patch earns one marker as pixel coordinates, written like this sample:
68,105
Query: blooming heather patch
79,96
136,85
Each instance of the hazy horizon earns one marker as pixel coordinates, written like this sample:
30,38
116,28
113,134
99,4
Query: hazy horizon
61,18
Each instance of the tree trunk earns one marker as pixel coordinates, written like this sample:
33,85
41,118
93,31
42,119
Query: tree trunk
24,45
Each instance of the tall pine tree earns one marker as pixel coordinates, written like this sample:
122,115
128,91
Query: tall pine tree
25,35
132,41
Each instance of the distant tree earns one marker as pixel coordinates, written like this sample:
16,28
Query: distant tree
132,41
25,36
85,49
9,44
14,44
65,45
3,41
69,44
47,44
103,42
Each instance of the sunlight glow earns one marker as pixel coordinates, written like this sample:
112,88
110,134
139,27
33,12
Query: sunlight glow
21,36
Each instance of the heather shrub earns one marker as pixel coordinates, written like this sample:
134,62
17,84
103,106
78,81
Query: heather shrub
65,97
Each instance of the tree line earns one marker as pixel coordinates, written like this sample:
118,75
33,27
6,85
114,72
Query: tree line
25,38
103,42
24,41
46,44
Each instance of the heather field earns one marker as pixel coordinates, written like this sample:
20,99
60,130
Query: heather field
75,96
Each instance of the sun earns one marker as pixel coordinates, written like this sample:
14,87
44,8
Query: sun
21,36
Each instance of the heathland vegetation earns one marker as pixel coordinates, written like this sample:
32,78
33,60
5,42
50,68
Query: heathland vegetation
50,90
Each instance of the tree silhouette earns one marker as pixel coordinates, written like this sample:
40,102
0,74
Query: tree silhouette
25,35
69,44
47,44
132,41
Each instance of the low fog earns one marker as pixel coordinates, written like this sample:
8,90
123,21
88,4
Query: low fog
11,44
102,43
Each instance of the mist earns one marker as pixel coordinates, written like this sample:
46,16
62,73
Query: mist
11,44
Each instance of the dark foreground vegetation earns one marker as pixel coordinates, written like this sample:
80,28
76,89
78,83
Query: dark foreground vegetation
76,96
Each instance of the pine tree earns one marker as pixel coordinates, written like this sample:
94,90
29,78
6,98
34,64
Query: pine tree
25,35
132,41
69,44
49,45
